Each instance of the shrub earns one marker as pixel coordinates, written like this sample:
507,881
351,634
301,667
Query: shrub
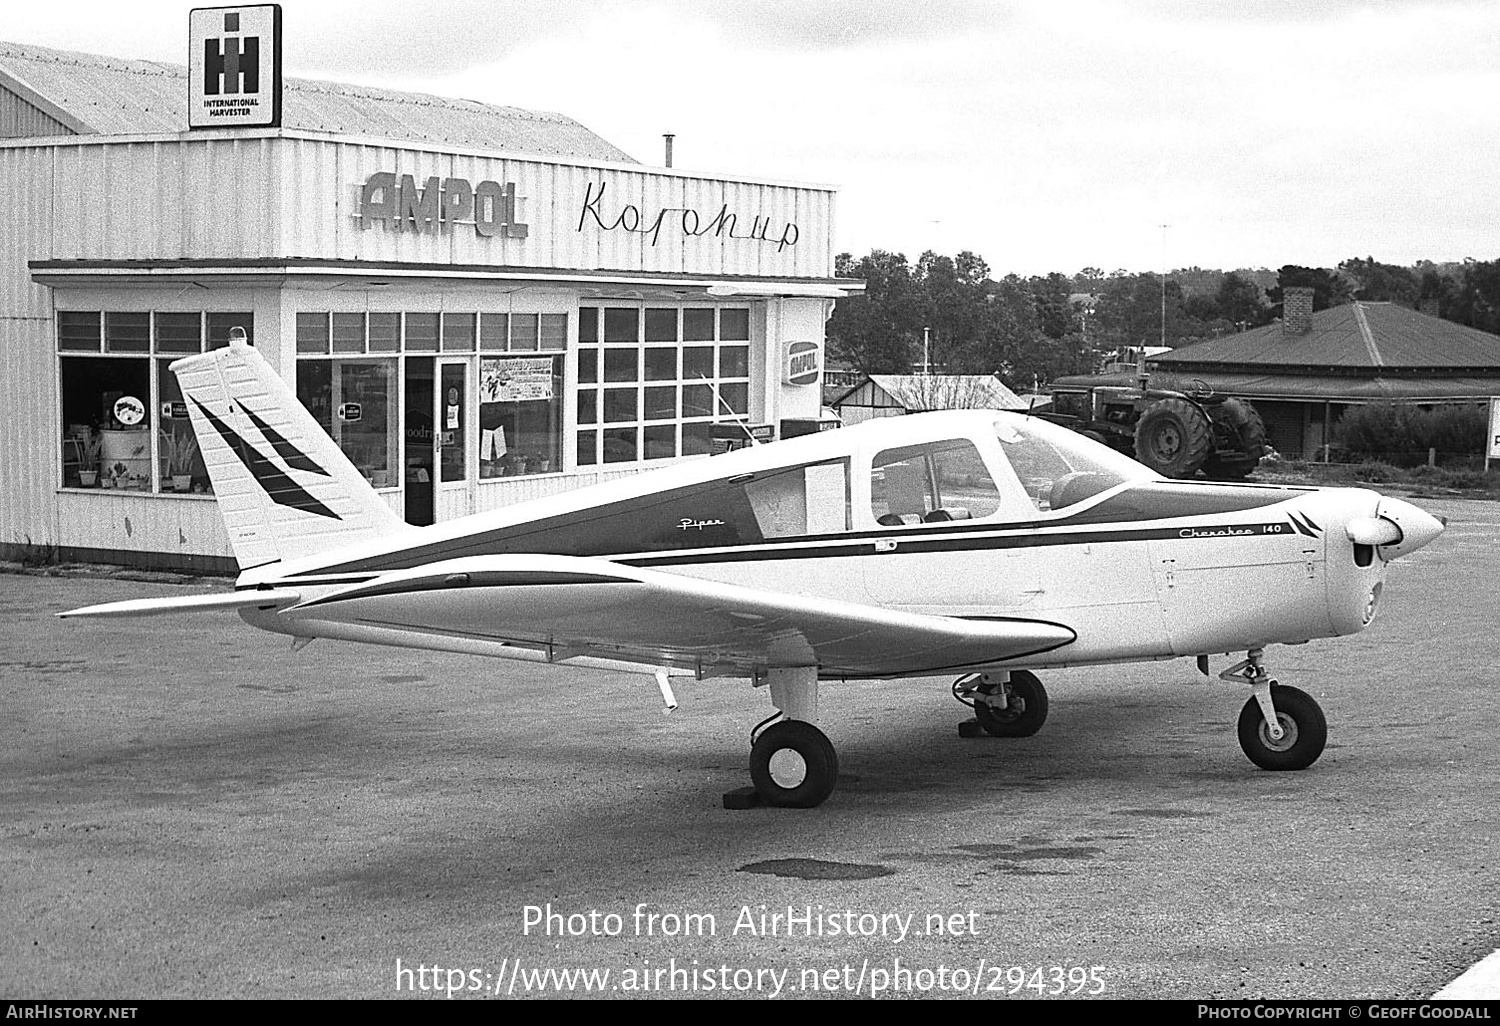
1402,434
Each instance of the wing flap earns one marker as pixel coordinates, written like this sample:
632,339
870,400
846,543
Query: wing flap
567,604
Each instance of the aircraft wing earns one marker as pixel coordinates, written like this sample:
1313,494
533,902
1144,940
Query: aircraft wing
568,607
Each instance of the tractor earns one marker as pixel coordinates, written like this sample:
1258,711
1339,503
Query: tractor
1176,434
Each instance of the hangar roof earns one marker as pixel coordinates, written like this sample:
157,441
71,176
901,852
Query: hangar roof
57,92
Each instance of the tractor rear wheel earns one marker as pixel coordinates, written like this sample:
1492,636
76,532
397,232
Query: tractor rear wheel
1173,437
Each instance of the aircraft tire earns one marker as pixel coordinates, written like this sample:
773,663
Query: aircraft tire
820,765
1010,723
1302,719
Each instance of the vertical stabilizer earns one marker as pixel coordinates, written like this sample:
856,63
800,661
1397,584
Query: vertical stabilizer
284,488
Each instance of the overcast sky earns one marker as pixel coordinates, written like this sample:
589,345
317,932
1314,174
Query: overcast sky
1044,136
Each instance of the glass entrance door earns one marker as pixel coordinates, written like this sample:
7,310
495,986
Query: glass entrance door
416,416
451,417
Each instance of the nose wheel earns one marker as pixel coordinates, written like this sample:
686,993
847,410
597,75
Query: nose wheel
1010,704
1280,727
1304,730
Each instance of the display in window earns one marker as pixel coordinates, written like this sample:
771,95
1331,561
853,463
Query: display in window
520,416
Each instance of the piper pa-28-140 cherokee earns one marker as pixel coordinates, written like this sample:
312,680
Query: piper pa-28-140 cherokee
970,542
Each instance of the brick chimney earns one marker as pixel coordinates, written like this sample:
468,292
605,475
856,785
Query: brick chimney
1296,310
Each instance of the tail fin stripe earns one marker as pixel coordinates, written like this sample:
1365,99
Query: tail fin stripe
281,488
290,454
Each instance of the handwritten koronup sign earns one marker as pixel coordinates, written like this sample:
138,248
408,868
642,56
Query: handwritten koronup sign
515,380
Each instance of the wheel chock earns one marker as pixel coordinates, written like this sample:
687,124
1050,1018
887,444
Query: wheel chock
971,728
743,798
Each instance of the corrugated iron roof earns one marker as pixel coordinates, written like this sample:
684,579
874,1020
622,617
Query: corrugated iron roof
1356,335
919,392
1273,383
113,96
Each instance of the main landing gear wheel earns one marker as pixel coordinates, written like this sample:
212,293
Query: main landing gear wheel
792,763
1304,731
1025,708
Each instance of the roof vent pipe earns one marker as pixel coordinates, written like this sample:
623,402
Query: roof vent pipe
668,136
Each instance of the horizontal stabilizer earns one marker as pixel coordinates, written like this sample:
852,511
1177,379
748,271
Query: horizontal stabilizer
191,604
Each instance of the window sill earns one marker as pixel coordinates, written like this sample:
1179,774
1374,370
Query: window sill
132,492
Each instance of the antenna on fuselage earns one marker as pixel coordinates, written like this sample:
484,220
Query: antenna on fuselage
719,399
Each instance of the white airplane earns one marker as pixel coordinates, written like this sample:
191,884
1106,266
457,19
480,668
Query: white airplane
972,542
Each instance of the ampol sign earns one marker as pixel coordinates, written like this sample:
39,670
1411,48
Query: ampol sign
803,363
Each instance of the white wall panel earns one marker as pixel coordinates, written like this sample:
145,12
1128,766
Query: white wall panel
138,522
266,196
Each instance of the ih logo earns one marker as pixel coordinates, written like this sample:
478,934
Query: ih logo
231,63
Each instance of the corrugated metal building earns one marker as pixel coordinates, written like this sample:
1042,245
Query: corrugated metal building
481,304
893,395
1305,370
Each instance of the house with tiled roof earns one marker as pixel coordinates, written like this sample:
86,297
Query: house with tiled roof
1304,371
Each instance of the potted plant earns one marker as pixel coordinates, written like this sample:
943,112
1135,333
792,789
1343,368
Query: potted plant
88,470
118,475
179,450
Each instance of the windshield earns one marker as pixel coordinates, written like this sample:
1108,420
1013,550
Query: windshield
1059,467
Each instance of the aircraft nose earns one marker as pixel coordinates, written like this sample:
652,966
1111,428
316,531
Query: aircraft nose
1417,526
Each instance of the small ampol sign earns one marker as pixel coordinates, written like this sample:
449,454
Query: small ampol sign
803,363
234,67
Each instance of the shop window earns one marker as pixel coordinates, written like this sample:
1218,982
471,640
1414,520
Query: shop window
734,325
520,415
661,364
179,332
220,325
422,332
79,331
698,325
935,482
524,333
355,401
661,324
312,333
349,333
553,331
494,332
125,419
458,333
182,468
385,332
127,332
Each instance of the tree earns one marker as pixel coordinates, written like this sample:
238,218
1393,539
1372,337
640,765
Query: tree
1241,302
1379,282
1329,289
955,307
1477,299
878,330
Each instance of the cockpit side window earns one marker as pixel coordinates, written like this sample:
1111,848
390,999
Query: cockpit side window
934,482
1059,468
812,499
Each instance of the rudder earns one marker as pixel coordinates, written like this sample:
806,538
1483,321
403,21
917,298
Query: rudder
284,488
